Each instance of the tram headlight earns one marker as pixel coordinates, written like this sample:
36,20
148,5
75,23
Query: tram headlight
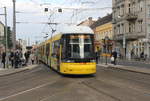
70,61
92,60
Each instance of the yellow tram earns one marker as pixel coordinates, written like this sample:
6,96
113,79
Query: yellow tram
70,52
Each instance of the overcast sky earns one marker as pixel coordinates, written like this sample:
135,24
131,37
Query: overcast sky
33,18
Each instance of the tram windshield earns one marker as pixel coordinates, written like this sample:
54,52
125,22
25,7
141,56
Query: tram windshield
79,46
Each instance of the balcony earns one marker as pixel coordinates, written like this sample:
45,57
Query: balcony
129,36
131,17
119,1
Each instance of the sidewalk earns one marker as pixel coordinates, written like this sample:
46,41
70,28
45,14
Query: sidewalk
5,72
127,68
141,61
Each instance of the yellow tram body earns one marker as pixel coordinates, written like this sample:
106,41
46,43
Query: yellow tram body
54,52
78,68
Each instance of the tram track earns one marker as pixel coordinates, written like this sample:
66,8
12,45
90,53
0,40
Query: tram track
43,84
102,92
18,78
115,91
25,81
123,74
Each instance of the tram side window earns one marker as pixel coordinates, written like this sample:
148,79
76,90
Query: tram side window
43,49
55,48
40,50
88,49
64,41
66,53
47,49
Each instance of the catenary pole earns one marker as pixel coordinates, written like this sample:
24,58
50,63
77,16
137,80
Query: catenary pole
14,24
6,38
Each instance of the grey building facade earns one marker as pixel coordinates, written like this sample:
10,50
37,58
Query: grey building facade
1,30
1,36
131,27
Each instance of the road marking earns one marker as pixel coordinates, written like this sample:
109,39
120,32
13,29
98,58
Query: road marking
40,86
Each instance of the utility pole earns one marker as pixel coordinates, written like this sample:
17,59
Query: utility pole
14,24
6,39
6,42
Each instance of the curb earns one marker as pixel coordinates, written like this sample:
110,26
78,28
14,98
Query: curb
19,70
127,68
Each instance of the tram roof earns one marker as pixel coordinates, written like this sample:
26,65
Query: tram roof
75,29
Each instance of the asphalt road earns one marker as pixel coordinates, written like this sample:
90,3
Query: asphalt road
43,84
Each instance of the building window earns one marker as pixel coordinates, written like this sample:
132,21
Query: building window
114,30
110,32
133,8
140,25
148,10
118,29
141,5
129,8
119,11
97,36
122,28
114,14
130,27
148,28
133,27
122,9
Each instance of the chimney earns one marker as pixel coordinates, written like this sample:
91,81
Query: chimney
90,18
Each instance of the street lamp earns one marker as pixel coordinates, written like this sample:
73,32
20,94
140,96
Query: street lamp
46,36
20,44
14,24
106,47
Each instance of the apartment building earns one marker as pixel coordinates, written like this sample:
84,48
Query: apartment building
102,28
131,27
87,22
1,35
1,31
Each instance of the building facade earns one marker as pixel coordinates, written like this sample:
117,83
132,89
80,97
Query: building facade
102,28
1,35
1,31
131,27
87,22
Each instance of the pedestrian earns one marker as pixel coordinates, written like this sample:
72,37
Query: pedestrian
32,57
36,56
17,58
3,59
97,56
26,55
112,59
11,58
142,55
132,54
114,55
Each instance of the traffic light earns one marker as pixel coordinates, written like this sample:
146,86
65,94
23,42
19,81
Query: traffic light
46,9
60,10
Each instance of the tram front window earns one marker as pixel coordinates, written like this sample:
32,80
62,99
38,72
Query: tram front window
79,47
